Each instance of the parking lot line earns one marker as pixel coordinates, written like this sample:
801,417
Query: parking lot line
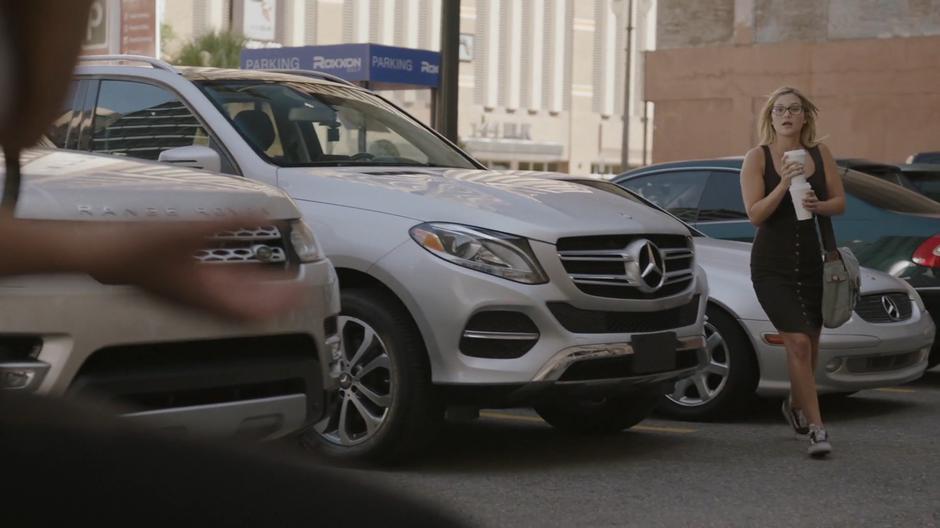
534,419
658,429
894,389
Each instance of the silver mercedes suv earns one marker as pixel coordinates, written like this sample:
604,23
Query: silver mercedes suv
461,287
157,363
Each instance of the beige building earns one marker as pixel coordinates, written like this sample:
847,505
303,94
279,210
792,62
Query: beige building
872,67
542,82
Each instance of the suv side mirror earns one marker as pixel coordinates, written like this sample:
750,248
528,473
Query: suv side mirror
196,156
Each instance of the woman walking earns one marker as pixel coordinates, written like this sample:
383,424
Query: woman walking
786,259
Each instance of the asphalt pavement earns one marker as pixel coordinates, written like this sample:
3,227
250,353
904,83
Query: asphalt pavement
511,469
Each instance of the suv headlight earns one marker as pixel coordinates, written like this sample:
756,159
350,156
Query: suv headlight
305,244
500,254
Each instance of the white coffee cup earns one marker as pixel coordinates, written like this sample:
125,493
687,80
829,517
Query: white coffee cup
799,187
797,155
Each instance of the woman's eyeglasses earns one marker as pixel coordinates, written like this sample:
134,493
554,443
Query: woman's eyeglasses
794,109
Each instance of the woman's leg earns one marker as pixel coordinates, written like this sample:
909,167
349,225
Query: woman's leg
802,379
815,340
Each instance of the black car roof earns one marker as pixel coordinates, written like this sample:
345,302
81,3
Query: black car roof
920,167
724,163
875,187
868,166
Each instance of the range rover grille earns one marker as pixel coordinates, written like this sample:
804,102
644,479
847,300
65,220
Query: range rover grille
256,245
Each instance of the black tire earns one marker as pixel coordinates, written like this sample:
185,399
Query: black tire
413,414
603,415
739,384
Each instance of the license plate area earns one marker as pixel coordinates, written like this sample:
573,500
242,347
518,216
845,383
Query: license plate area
655,352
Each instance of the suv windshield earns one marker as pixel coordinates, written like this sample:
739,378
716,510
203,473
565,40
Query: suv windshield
296,124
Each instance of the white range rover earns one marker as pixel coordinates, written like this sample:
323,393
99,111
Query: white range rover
161,364
461,287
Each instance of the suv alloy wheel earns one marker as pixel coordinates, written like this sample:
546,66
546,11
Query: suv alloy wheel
384,408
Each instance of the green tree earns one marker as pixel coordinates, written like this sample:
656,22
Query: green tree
219,49
167,35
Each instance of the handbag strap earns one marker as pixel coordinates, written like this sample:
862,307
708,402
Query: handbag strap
823,222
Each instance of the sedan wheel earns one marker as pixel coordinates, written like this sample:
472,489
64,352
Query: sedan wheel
708,382
725,381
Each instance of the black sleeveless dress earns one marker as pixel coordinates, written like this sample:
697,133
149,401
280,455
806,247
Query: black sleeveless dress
786,259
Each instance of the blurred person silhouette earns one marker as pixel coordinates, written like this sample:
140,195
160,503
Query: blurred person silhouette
786,259
65,462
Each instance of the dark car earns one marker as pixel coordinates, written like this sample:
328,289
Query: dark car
885,171
925,177
889,228
924,157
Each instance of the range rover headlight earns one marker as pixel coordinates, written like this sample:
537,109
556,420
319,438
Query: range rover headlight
305,244
492,252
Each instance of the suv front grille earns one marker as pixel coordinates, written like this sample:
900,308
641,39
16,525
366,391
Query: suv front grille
581,321
257,245
598,265
880,307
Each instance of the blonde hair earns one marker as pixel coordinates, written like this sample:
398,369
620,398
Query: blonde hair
765,127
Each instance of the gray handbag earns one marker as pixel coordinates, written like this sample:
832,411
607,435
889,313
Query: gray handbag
841,283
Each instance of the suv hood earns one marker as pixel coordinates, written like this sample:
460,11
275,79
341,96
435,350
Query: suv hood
515,202
732,259
62,185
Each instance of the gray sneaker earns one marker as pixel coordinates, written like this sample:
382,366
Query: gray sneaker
819,445
794,417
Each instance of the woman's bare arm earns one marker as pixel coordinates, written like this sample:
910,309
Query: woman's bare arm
759,206
835,204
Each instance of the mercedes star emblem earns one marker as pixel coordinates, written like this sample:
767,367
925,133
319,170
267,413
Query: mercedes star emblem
646,268
891,308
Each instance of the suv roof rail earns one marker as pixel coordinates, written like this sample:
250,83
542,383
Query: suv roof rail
316,75
155,63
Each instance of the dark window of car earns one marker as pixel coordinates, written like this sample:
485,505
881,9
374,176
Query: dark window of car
307,124
63,131
141,120
885,195
678,192
722,198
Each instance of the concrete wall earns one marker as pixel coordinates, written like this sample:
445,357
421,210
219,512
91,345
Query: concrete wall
878,98
872,66
696,23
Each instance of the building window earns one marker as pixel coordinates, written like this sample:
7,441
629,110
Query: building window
606,168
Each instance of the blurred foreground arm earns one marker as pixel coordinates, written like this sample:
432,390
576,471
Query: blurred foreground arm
157,257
